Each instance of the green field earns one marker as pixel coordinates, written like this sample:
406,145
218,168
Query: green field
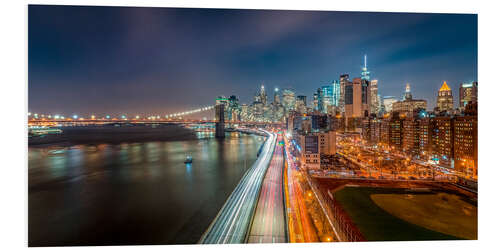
378,224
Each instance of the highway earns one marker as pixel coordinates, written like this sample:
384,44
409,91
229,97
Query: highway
300,225
233,220
268,225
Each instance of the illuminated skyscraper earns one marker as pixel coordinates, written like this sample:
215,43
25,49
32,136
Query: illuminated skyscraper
357,98
301,104
374,101
233,110
302,99
445,98
365,74
327,98
318,100
408,104
288,100
276,99
388,101
244,115
407,95
277,109
344,80
263,95
381,108
336,92
468,93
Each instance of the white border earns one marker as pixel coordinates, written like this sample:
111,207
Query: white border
13,100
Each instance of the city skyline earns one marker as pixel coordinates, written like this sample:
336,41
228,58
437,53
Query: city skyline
163,126
97,61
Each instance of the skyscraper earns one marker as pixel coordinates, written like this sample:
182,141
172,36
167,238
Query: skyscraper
365,74
276,99
263,95
288,100
318,100
357,98
407,95
445,98
302,99
468,94
344,80
336,92
381,107
233,110
388,101
327,98
408,104
374,104
256,110
301,103
244,114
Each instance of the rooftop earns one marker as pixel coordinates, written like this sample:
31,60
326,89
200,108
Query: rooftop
444,87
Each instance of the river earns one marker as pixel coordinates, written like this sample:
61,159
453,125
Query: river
132,193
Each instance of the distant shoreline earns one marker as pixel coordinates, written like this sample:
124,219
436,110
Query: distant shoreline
112,135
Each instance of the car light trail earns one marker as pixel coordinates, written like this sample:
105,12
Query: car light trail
232,223
268,225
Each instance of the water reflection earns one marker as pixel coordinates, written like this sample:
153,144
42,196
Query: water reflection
189,172
132,193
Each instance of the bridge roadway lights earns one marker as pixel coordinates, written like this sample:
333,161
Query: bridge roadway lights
96,121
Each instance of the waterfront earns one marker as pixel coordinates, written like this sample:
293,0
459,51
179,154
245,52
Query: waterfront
132,193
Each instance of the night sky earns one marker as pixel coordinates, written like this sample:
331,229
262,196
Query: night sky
122,60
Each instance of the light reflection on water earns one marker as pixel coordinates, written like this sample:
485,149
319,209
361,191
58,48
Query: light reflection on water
132,193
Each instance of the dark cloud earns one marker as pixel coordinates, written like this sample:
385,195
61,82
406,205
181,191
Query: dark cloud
161,60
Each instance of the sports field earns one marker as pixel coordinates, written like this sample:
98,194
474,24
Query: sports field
400,214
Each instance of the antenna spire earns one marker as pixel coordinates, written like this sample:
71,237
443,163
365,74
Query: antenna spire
365,61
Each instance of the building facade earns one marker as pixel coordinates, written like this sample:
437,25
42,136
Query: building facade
445,99
408,105
327,98
465,151
388,101
289,100
374,100
357,98
468,94
344,80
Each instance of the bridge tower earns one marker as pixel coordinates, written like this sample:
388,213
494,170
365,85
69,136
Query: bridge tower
219,121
